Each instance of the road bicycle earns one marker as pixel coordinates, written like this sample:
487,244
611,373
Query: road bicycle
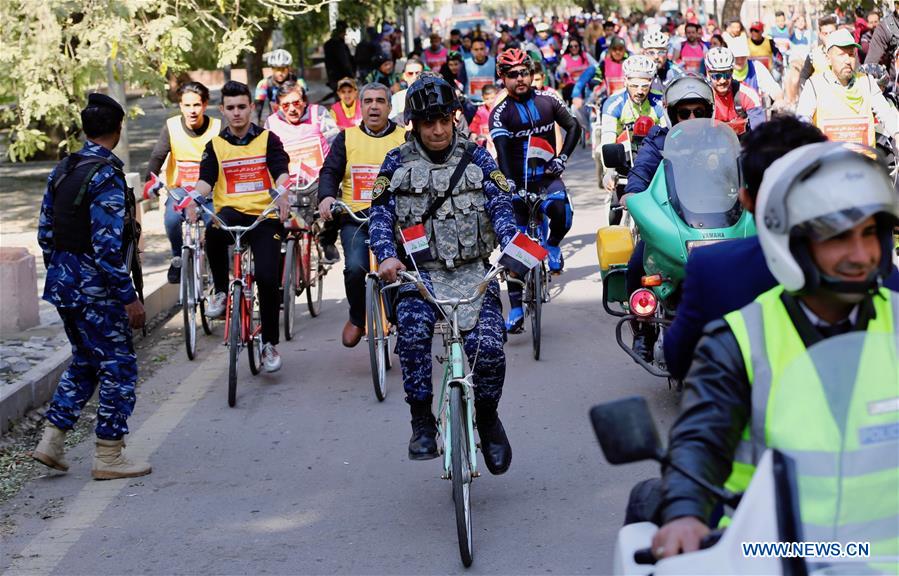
455,421
195,281
303,266
243,327
378,330
536,281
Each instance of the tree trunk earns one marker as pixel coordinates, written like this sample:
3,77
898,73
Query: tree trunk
730,11
253,60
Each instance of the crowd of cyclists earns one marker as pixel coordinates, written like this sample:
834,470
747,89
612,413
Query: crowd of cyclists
517,103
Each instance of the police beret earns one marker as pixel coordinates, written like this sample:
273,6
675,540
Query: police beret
104,101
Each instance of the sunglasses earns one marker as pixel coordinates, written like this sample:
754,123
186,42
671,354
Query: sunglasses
639,85
516,74
687,113
295,104
718,76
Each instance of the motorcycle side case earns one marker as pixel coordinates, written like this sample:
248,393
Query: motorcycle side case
614,246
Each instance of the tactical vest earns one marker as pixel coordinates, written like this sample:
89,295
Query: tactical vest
461,230
72,202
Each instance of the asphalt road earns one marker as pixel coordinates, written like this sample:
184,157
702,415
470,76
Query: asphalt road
309,474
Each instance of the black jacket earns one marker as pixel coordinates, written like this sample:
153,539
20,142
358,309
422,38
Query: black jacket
884,43
715,409
338,60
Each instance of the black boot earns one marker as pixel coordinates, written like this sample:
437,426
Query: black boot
644,339
423,444
494,443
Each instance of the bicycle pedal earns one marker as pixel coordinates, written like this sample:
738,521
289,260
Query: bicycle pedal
440,359
445,476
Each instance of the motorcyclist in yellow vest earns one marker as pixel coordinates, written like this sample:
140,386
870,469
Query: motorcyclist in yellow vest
830,251
349,174
244,168
841,101
182,141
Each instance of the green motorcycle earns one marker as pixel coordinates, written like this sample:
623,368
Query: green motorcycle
692,201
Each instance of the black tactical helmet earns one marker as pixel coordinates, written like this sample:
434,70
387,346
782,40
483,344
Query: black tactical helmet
430,97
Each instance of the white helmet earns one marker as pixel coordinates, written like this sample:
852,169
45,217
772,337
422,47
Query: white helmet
804,195
279,58
719,60
639,66
542,27
655,39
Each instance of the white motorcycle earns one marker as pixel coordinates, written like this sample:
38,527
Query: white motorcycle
769,510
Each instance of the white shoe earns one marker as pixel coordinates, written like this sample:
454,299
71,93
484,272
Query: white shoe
215,307
271,360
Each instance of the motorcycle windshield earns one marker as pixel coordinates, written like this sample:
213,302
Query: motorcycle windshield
700,158
834,411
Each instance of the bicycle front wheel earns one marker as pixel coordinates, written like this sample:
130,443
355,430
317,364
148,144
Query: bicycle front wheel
254,340
461,473
289,287
536,306
315,286
234,343
377,337
189,302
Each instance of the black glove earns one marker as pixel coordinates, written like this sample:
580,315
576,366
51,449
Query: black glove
554,167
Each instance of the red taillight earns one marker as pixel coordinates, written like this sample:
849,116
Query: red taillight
643,125
654,280
643,302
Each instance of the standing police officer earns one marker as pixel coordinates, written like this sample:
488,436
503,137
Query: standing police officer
453,188
87,233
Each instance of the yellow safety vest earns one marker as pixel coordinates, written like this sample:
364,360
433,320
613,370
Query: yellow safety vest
364,155
187,151
848,479
844,114
762,53
244,180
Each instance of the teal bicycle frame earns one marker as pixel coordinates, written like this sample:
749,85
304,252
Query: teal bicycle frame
454,375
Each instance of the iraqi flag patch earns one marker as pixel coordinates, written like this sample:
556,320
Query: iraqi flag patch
522,254
415,243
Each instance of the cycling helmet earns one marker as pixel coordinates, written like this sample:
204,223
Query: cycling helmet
279,58
639,66
430,97
719,60
511,58
803,197
542,27
686,87
655,39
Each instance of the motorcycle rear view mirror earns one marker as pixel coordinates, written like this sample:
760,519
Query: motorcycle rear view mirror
614,156
626,431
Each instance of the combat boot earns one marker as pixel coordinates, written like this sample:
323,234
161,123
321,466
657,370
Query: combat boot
423,444
110,463
50,450
494,442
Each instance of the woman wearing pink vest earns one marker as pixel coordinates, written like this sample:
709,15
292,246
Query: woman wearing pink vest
574,62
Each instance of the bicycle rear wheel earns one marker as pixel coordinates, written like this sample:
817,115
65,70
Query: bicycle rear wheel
315,286
461,473
288,285
536,306
189,302
377,337
234,343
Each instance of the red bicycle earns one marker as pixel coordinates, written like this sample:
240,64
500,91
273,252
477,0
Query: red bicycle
243,327
302,256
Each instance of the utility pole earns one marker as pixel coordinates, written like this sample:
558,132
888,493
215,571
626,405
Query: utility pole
333,13
116,81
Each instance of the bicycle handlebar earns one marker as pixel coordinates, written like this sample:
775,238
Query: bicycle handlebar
495,271
339,207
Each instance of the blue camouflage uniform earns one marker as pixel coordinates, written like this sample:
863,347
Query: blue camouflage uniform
416,317
89,291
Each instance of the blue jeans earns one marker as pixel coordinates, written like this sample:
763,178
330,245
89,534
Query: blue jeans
354,238
172,221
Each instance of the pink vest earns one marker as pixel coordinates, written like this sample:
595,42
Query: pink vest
343,122
435,60
691,56
304,142
575,66
614,72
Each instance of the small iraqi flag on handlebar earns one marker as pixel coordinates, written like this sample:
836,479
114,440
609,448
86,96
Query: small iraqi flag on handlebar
183,203
152,187
522,254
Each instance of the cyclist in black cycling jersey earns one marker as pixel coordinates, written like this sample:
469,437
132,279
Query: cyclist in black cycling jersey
522,127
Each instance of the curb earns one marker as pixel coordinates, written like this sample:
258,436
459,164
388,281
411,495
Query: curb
38,384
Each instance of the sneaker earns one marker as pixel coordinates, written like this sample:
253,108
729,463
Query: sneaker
515,323
174,273
331,255
271,360
215,307
556,261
